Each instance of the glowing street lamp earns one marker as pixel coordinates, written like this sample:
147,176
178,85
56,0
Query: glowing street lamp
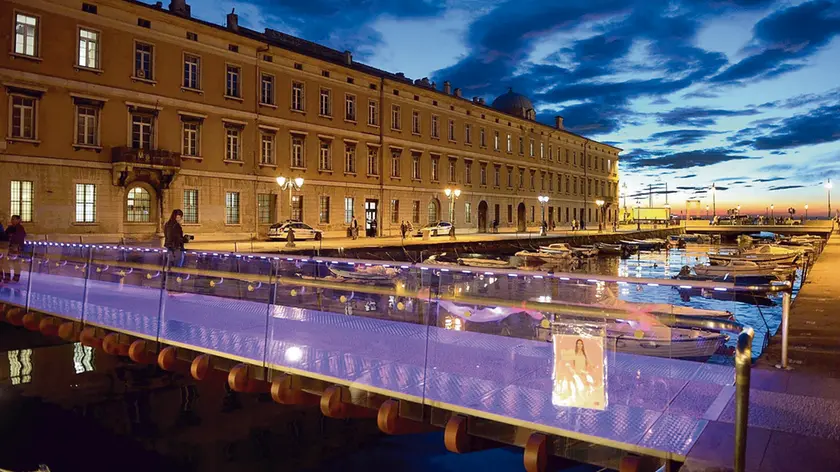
806,212
452,195
543,200
772,213
707,212
291,185
600,204
828,189
714,206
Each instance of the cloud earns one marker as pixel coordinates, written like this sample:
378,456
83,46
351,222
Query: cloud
775,168
782,40
681,137
784,187
687,176
686,160
728,179
821,125
698,116
771,179
803,100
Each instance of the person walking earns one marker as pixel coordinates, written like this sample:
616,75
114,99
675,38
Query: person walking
16,236
403,229
354,228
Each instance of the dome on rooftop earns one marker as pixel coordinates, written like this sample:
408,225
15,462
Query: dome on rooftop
515,104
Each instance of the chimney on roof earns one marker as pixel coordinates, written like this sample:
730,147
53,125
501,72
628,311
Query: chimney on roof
233,20
158,5
434,85
400,75
475,99
425,82
348,58
180,8
447,87
558,122
481,100
458,92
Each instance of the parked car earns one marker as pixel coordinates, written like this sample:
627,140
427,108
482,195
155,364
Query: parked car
440,228
302,231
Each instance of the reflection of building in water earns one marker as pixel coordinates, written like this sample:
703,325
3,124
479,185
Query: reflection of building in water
20,366
83,358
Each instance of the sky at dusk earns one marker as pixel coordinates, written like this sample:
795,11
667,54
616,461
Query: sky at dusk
744,93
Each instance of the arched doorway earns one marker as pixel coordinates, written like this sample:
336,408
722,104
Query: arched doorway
142,207
434,211
482,217
520,217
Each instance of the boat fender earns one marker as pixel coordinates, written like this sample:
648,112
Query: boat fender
649,345
619,342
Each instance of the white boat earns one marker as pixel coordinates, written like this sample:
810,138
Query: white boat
541,256
366,273
765,256
734,267
565,248
677,343
556,248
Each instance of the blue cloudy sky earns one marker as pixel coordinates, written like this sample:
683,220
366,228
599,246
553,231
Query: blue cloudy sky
744,93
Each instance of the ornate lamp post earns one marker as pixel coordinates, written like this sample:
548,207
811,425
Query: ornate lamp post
452,195
806,212
600,204
291,185
543,200
828,189
714,206
772,213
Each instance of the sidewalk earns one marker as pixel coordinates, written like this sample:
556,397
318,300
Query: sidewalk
396,241
794,422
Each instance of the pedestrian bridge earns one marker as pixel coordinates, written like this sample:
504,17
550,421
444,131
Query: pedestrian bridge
478,352
818,227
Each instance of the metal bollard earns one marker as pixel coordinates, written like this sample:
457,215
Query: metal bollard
785,322
743,364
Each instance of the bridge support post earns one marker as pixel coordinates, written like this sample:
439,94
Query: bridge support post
390,422
139,352
89,338
168,360
240,380
116,344
69,331
15,316
202,370
49,326
536,453
457,439
32,321
284,392
333,406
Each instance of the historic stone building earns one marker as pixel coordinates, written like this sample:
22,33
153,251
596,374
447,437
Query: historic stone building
119,112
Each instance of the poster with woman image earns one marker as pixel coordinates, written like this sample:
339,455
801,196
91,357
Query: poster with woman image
579,371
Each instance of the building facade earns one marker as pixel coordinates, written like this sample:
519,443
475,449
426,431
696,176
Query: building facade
119,112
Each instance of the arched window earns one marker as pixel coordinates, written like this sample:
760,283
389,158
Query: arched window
138,205
433,212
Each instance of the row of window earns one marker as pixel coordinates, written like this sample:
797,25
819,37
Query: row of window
139,207
26,43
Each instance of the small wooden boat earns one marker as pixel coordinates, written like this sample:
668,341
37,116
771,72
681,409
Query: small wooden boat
676,343
371,273
541,256
765,256
734,267
643,245
470,260
556,248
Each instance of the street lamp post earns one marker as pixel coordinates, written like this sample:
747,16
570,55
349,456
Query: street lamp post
806,212
600,204
543,200
739,210
772,213
452,195
828,189
707,212
714,206
668,207
291,185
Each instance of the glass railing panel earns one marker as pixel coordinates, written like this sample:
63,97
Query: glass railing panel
56,284
350,321
217,303
125,288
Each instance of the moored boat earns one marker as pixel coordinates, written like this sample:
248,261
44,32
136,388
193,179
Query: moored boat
735,268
